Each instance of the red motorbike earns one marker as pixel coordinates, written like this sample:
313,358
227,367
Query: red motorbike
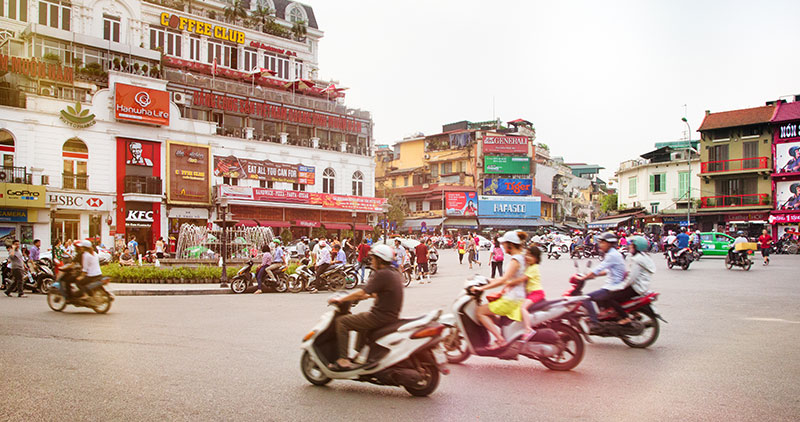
645,326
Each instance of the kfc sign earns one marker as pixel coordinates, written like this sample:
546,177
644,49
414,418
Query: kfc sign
141,105
135,216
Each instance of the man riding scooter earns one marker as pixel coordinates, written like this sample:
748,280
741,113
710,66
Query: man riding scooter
733,254
681,242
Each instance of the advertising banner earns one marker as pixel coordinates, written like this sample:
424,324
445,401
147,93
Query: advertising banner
188,173
505,144
141,105
506,165
787,157
245,168
509,206
348,202
789,218
326,200
10,215
278,195
21,195
516,187
787,195
461,203
80,201
140,153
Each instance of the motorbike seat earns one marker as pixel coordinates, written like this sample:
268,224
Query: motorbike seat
377,333
542,304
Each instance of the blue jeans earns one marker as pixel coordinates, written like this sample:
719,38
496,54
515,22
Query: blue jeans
260,275
363,267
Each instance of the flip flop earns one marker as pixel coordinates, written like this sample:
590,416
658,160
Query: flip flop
338,368
496,346
527,337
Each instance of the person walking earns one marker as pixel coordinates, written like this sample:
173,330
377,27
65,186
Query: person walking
471,253
765,243
497,258
17,265
363,257
461,245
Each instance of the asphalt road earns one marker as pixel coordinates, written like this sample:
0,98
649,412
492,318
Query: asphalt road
729,352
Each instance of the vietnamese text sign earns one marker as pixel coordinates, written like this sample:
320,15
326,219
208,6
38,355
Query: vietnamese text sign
516,187
506,165
509,206
326,200
244,168
505,144
461,203
188,168
784,218
141,105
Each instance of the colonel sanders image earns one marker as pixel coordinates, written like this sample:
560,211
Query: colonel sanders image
137,159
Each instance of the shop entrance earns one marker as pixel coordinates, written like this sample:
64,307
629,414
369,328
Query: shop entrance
65,227
143,235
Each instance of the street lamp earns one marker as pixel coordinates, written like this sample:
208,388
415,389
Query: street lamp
689,179
354,215
385,209
223,207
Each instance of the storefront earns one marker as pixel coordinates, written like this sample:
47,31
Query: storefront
751,223
139,191
188,187
80,215
23,214
786,172
783,223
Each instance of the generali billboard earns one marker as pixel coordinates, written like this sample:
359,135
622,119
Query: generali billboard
141,105
505,144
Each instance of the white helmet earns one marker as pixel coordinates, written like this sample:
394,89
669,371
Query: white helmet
512,237
84,244
383,252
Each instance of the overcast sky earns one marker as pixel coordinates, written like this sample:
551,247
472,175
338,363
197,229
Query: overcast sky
601,80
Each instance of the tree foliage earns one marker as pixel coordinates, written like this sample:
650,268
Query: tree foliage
609,203
399,209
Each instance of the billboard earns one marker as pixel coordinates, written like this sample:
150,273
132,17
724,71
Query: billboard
787,157
509,206
140,153
506,165
188,173
515,187
245,168
505,144
141,105
787,195
327,200
461,203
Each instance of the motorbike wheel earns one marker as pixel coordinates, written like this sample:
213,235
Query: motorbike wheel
564,249
455,346
281,284
311,371
103,301
685,265
408,277
572,353
336,282
351,281
651,330
46,284
430,377
728,263
748,265
434,269
238,285
56,301
669,264
295,284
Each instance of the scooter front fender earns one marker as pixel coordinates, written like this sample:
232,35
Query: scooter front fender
448,319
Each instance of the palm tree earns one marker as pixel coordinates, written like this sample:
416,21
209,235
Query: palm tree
234,11
299,30
263,14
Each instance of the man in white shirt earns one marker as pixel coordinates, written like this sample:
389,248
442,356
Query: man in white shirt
322,263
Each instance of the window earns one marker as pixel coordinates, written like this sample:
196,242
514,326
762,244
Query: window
76,157
194,48
683,185
55,14
231,56
717,158
658,183
298,70
169,42
750,131
436,205
298,186
17,10
632,182
7,144
297,14
434,171
405,180
250,59
750,150
214,52
720,135
111,28
277,64
447,168
328,178
358,183
654,208
225,55
394,182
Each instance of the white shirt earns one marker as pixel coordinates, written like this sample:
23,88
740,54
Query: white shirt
91,264
740,239
670,239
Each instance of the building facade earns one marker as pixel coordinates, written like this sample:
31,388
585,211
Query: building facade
130,118
785,217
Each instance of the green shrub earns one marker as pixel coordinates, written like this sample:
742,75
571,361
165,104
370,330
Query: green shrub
149,274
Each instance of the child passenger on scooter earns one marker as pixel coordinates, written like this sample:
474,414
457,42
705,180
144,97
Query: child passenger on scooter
533,287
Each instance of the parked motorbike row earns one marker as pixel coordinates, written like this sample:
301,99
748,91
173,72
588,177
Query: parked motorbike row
38,277
336,277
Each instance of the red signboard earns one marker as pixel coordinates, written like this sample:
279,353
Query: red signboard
784,218
347,202
327,200
505,144
141,105
245,168
750,216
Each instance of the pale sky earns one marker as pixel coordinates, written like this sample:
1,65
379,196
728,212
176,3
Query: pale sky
601,80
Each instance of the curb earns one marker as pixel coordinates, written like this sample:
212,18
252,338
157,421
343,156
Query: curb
187,292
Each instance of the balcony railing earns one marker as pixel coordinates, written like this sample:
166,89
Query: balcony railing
143,184
739,164
734,200
15,175
75,181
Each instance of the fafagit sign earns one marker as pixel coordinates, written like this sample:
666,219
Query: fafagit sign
141,105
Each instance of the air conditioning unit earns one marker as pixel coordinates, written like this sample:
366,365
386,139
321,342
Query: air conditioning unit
179,98
46,91
372,219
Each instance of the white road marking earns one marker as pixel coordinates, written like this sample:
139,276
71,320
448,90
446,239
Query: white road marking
772,320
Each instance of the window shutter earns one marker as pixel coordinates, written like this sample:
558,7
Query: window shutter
663,182
652,183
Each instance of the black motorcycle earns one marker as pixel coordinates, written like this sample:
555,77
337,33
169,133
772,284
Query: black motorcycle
739,259
30,279
678,257
65,292
245,279
433,259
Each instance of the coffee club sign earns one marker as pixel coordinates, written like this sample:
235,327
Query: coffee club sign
193,26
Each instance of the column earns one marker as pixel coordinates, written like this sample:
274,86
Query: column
284,137
344,146
315,142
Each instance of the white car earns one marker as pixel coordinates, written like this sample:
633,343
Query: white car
484,243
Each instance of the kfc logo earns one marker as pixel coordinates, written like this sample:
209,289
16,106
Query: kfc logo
139,216
142,98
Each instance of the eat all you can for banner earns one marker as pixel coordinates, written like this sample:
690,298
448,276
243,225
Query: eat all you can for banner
245,168
506,165
515,187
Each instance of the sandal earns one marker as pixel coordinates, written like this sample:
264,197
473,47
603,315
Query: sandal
497,345
339,368
527,337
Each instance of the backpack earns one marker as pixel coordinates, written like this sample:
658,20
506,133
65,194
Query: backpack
497,254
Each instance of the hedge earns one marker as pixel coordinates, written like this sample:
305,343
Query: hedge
152,274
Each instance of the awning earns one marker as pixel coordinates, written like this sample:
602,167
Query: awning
365,227
573,226
461,222
416,224
247,223
306,223
336,226
268,223
513,222
611,222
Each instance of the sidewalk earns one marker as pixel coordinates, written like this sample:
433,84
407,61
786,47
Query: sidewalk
144,289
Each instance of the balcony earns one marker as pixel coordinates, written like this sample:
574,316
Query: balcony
12,97
147,185
15,175
75,181
723,201
735,165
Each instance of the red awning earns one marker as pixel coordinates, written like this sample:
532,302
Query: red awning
247,223
306,223
336,226
364,227
266,223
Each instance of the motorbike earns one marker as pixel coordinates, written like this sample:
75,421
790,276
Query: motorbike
44,278
553,251
406,353
245,278
678,257
739,259
64,292
433,259
352,278
645,326
408,273
697,251
29,279
557,344
334,278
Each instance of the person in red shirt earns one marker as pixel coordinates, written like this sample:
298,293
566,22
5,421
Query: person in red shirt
764,243
363,256
421,251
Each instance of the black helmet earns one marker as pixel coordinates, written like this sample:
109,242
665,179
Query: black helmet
740,233
608,237
793,187
792,150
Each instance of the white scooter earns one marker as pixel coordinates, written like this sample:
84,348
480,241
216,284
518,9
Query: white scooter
556,343
406,353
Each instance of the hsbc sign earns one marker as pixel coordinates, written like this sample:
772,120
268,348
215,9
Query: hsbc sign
135,216
76,201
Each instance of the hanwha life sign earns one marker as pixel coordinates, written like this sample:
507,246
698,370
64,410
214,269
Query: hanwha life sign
141,105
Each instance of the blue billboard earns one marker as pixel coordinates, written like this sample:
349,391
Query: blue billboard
515,187
509,206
